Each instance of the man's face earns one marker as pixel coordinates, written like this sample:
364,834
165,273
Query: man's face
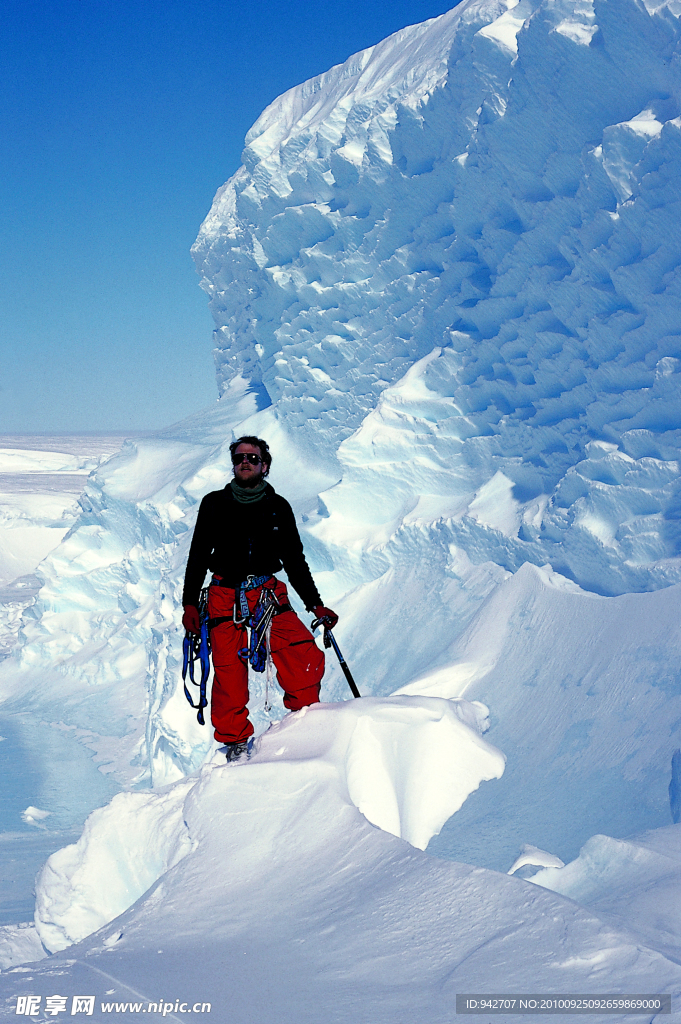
244,473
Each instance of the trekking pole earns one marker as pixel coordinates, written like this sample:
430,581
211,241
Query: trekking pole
330,641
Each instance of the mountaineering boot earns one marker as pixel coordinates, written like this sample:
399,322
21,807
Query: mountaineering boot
233,751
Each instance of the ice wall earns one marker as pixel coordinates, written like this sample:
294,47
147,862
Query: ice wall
463,243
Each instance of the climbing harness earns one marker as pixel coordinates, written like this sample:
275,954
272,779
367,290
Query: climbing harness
196,647
260,621
258,652
330,641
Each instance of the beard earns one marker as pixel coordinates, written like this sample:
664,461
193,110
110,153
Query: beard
251,481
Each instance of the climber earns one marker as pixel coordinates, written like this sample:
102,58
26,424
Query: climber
244,534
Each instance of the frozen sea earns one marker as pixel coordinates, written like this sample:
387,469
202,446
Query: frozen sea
41,479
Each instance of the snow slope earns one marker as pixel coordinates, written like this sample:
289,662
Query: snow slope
407,763
40,480
446,290
634,883
288,905
585,703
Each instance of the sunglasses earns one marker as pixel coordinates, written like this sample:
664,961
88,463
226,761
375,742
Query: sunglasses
249,457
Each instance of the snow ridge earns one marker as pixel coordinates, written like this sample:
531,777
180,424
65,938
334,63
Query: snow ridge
388,758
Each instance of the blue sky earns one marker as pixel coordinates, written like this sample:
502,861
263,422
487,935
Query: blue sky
119,119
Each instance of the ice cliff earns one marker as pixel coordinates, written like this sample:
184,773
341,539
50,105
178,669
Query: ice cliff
458,253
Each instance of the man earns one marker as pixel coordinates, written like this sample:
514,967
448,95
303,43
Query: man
244,534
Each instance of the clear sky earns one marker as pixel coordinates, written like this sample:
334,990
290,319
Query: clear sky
119,119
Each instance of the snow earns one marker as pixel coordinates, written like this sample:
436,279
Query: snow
39,487
584,702
635,882
19,943
531,856
34,815
504,29
406,763
26,461
287,883
446,291
125,847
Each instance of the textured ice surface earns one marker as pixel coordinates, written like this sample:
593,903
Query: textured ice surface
675,787
494,193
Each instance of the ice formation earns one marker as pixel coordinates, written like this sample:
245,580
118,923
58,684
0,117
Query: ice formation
675,787
457,253
530,857
291,906
40,483
632,883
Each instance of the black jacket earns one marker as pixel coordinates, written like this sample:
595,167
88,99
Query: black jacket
234,541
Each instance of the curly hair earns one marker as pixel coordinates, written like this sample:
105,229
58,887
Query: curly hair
257,442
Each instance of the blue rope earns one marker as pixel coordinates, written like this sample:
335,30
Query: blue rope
261,617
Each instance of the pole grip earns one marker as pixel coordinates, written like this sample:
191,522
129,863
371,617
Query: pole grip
330,641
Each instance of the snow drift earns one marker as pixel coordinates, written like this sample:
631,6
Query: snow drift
289,905
585,703
407,763
634,883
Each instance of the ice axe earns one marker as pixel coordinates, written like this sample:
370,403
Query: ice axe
330,641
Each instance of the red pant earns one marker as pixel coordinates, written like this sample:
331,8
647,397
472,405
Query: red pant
297,659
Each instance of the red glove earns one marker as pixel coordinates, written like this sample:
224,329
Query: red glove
328,617
190,619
